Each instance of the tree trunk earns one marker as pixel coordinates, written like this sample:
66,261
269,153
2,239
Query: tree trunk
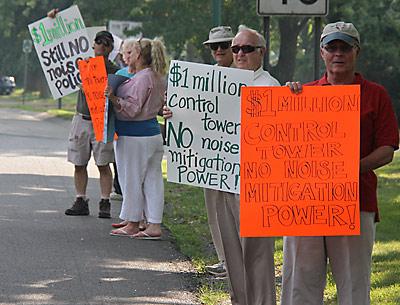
289,29
36,81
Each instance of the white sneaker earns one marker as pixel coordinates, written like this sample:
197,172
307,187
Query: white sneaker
115,196
217,269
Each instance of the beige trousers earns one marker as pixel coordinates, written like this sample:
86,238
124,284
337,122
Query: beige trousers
249,261
305,266
212,198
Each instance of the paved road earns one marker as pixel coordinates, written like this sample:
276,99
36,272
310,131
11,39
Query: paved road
49,258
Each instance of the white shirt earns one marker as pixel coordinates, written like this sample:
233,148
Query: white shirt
263,78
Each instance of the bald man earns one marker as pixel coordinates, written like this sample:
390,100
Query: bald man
249,261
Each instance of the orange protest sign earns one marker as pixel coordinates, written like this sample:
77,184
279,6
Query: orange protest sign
94,81
300,161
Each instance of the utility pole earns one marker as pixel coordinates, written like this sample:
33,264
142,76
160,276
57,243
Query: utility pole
216,12
317,34
266,24
26,48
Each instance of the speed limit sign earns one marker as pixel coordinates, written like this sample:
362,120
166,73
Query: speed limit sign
292,7
27,46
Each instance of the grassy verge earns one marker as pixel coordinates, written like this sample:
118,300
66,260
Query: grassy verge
32,102
185,216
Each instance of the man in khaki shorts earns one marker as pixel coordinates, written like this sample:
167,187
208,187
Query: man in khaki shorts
82,141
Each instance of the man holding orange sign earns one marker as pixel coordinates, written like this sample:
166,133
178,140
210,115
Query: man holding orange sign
250,260
82,141
305,258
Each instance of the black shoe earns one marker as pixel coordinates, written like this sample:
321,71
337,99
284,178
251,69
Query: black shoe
79,208
104,208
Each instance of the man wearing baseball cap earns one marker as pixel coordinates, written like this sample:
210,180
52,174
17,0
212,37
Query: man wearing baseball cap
82,142
350,257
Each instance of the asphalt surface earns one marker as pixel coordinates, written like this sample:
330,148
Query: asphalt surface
49,258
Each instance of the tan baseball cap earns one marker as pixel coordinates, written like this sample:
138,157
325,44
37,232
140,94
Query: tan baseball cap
346,32
220,34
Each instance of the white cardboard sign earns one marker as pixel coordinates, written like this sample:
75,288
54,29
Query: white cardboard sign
60,42
203,134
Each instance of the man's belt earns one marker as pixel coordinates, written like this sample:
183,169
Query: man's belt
85,117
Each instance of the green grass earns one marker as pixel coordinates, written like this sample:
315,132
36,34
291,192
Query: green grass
33,102
185,217
386,256
385,278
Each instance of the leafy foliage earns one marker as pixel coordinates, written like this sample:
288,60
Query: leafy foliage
184,25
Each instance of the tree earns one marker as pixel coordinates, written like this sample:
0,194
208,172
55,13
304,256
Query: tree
184,25
289,29
379,25
15,17
169,17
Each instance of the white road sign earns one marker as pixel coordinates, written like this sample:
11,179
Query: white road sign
292,7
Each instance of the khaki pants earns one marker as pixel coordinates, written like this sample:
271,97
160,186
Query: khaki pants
212,198
249,261
82,142
305,266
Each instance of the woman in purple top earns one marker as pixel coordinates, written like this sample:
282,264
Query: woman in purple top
139,148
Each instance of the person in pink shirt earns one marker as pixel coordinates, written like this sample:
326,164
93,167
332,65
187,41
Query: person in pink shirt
139,148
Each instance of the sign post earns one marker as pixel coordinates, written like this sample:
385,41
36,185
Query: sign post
315,8
293,7
26,48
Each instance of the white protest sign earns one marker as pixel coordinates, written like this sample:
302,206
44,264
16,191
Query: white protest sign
203,134
60,42
117,47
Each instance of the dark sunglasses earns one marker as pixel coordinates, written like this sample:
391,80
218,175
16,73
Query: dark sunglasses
245,49
223,45
102,41
346,48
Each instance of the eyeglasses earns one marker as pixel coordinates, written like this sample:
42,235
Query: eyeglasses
345,48
102,41
245,49
223,45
